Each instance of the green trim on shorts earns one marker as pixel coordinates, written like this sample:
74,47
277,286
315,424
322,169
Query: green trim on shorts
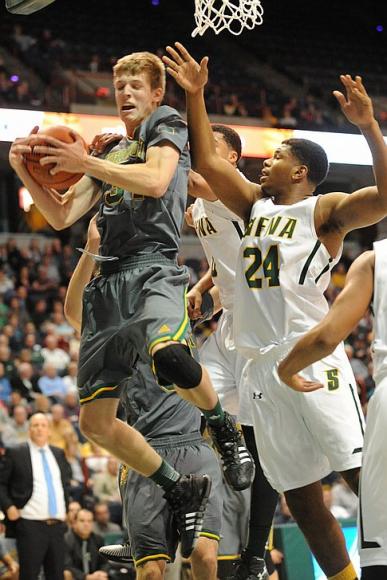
97,393
145,559
210,536
178,334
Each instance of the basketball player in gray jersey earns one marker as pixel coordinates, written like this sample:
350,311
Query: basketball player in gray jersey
172,427
137,307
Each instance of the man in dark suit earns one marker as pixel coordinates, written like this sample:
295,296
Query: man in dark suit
34,483
83,560
26,382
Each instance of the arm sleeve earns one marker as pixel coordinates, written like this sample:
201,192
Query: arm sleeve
5,474
167,125
69,563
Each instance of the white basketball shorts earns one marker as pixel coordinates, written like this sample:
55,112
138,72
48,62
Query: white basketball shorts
302,437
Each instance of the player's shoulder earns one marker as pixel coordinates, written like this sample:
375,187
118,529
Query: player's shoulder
163,114
364,263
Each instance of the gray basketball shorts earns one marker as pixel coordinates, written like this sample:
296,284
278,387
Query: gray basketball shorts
152,531
125,314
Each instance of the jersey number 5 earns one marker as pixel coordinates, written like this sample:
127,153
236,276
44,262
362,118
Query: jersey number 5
269,264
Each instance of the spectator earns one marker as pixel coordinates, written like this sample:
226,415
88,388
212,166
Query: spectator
105,483
30,342
94,63
22,41
40,312
11,564
282,514
359,368
61,430
50,384
72,510
105,489
6,283
82,558
339,511
26,381
61,327
16,431
338,276
5,385
77,483
53,355
71,408
344,497
102,523
33,491
95,457
70,380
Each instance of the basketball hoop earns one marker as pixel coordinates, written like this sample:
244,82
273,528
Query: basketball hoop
231,15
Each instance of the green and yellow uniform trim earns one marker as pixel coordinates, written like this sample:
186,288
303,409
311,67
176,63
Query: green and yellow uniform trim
97,393
168,335
210,536
145,559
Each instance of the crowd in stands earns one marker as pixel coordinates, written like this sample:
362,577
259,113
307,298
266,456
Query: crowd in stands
38,367
57,55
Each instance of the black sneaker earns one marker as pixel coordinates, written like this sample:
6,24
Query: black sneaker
250,568
117,553
188,500
238,464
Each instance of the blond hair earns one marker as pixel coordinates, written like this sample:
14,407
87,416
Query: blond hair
142,62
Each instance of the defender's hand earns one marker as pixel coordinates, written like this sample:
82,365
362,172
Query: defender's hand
101,141
188,73
194,302
188,216
298,383
356,105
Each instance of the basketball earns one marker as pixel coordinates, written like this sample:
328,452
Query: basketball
41,173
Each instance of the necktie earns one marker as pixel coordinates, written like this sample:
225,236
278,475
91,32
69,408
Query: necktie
52,507
85,558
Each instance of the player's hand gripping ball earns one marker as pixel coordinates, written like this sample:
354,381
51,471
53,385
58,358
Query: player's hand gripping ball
41,173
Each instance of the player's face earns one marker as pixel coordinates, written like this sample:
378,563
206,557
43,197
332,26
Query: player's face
223,149
276,175
135,98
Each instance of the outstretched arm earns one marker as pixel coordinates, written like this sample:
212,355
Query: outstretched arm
235,192
347,310
369,205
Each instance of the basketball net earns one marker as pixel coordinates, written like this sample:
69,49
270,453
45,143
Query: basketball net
231,15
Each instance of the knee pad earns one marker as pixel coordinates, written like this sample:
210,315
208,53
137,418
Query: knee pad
173,364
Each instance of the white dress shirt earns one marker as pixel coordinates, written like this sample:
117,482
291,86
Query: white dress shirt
37,506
